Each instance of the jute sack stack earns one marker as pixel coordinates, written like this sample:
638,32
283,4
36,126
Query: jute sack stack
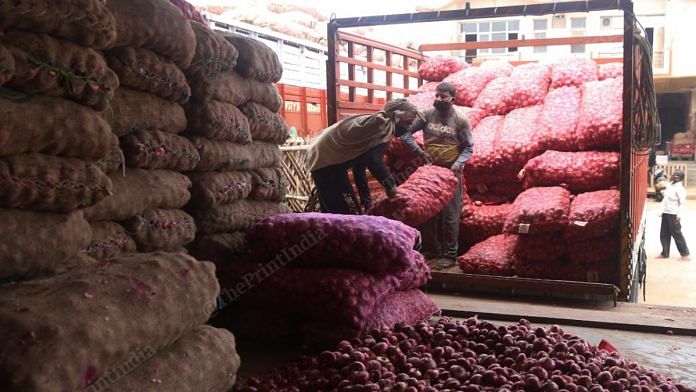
205,359
148,288
109,239
133,110
33,242
85,22
55,67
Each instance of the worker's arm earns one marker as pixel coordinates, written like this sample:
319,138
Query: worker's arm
466,143
407,137
374,160
360,178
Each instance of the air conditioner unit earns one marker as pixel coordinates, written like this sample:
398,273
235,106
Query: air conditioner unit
610,22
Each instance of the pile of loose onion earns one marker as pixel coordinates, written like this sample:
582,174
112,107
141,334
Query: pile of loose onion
470,355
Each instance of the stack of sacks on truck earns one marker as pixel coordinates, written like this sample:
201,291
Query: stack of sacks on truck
572,141
144,213
331,277
58,152
234,124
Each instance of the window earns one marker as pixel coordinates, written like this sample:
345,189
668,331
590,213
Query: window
541,24
577,23
490,31
577,48
468,28
540,49
540,27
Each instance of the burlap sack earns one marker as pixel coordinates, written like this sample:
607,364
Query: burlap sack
51,66
204,360
256,59
157,25
226,156
212,189
48,183
109,239
217,120
239,215
7,65
265,125
86,22
139,190
113,161
53,126
33,241
268,184
144,70
133,110
79,261
234,89
137,305
159,150
219,248
214,55
160,229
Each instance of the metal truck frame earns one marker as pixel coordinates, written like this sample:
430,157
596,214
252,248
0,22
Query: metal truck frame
633,185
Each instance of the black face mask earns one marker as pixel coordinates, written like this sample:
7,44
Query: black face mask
442,106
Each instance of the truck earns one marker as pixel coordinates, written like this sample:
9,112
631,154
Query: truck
402,79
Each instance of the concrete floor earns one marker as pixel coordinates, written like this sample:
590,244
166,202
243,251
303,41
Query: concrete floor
670,282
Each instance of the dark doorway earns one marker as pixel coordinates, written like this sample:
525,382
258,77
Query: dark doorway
674,113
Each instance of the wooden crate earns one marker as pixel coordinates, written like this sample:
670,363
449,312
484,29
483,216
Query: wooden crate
670,168
299,180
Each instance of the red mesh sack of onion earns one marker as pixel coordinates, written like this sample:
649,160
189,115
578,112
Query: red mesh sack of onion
601,115
603,250
401,160
484,157
473,114
573,71
347,297
610,70
495,193
491,99
595,273
593,214
469,84
407,307
539,210
498,67
540,248
516,142
493,256
582,171
558,119
480,222
527,86
421,197
416,276
368,243
437,68
423,100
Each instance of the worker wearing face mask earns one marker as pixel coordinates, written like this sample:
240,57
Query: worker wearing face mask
448,143
672,207
356,142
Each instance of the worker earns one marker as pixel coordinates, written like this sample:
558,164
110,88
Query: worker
355,141
448,143
672,207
